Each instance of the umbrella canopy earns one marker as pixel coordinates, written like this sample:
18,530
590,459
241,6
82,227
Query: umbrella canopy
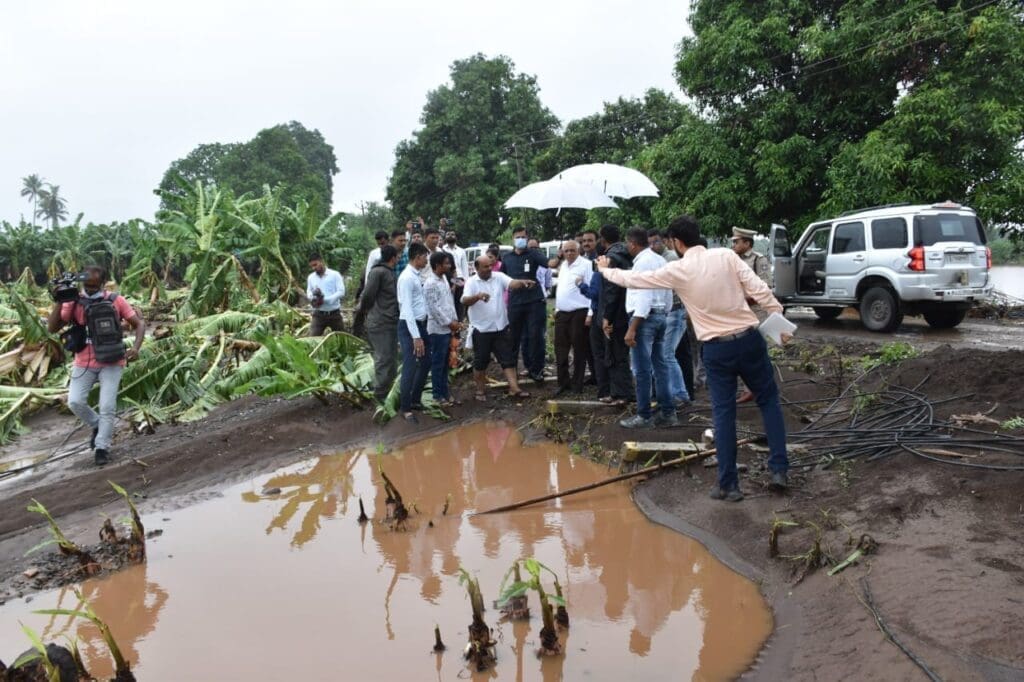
611,179
557,193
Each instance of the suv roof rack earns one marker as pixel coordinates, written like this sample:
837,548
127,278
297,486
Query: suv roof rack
874,208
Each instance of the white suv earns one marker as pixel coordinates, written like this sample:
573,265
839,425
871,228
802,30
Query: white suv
887,262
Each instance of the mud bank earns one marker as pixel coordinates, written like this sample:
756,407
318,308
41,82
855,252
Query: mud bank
947,577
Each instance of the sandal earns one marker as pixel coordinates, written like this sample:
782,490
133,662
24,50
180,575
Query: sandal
520,394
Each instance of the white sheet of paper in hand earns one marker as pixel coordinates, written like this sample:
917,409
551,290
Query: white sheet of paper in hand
775,326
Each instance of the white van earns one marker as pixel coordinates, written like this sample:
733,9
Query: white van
477,250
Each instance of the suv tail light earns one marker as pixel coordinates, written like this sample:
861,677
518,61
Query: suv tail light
916,256
988,258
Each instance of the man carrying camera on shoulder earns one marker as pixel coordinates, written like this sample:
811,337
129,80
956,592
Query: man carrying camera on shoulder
324,288
96,337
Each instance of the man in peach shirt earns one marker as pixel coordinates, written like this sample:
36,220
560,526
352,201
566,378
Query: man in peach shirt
714,285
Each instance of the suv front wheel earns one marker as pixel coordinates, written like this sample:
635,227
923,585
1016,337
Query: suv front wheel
880,310
945,318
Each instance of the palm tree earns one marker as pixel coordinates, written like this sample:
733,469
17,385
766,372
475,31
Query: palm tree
52,205
32,187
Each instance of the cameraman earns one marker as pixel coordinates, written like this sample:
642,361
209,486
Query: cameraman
87,369
324,288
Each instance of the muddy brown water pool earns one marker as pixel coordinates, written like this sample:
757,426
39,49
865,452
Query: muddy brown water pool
289,586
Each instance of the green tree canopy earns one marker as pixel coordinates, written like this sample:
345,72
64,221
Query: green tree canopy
479,136
806,108
290,156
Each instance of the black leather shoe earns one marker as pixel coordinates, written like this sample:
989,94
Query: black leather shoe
733,495
780,480
102,457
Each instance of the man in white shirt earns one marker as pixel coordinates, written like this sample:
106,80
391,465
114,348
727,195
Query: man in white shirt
677,346
461,272
458,253
571,309
484,298
442,322
324,288
648,310
381,238
412,333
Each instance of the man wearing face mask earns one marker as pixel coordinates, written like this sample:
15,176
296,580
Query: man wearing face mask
527,311
460,274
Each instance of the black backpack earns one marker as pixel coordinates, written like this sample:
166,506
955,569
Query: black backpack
103,325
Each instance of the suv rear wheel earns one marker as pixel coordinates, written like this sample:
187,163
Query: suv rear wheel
880,310
945,318
827,313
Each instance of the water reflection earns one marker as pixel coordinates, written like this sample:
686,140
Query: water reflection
258,580
130,606
620,568
325,487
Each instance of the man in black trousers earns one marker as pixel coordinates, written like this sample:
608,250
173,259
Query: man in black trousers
615,320
526,307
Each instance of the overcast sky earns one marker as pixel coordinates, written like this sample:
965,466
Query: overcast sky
100,96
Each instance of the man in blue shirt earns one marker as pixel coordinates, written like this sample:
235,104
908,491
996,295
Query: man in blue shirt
527,311
324,288
412,332
400,240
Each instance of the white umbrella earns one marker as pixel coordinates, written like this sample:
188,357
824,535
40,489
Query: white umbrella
612,179
556,193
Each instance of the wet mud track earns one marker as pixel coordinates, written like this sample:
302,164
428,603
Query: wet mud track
971,333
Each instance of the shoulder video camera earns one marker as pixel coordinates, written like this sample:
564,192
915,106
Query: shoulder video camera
64,289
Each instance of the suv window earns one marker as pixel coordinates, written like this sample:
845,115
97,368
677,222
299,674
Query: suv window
849,238
818,242
889,233
947,227
782,248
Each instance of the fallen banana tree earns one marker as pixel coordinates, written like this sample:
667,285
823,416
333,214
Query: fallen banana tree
185,371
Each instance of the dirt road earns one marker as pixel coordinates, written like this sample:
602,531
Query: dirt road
972,333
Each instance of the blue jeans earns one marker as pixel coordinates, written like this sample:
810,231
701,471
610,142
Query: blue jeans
675,327
648,356
745,358
414,369
82,380
439,346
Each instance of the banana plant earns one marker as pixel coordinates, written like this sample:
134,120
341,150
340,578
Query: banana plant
550,645
122,668
480,649
38,654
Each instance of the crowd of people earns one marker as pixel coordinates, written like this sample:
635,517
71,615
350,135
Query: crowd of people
647,317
